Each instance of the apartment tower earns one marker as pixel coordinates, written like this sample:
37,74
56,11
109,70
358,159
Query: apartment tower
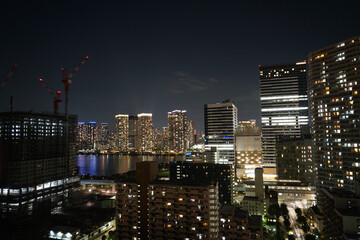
122,131
335,107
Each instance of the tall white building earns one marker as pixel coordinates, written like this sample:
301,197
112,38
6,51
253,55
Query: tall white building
220,125
177,126
122,131
284,105
145,132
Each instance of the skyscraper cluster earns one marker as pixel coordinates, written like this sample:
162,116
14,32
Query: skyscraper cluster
89,135
326,149
136,133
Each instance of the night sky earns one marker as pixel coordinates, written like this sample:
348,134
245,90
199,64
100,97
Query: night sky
157,56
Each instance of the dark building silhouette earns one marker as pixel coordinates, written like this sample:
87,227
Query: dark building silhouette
36,178
206,172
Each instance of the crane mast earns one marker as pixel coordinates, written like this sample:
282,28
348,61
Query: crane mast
56,95
67,81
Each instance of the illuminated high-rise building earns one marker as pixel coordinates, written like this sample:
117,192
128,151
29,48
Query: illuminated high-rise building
81,135
91,134
335,107
284,105
122,131
177,125
145,132
104,133
165,209
335,110
247,148
86,135
220,124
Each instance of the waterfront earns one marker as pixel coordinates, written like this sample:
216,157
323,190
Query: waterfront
107,165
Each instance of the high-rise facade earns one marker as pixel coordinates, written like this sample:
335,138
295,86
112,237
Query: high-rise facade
284,105
177,126
145,132
104,134
91,134
152,209
36,175
220,125
133,132
247,148
81,135
335,107
122,131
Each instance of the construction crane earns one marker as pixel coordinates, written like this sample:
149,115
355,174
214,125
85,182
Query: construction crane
67,81
56,95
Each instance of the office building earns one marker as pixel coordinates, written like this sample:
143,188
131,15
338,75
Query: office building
335,108
220,125
37,175
284,105
247,149
295,159
145,132
122,131
152,209
177,126
206,172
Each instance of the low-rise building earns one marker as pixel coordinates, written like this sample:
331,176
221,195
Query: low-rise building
341,210
237,224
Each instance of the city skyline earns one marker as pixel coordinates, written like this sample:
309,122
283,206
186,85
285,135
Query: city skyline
138,62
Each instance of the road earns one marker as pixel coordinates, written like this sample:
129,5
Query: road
298,232
99,237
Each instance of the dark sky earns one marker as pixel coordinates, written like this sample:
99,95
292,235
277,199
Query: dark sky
157,56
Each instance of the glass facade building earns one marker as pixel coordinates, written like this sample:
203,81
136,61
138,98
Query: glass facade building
284,105
220,125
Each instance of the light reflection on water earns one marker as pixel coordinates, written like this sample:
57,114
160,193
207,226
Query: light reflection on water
107,165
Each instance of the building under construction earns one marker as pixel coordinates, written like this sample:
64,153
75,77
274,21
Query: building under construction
36,174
